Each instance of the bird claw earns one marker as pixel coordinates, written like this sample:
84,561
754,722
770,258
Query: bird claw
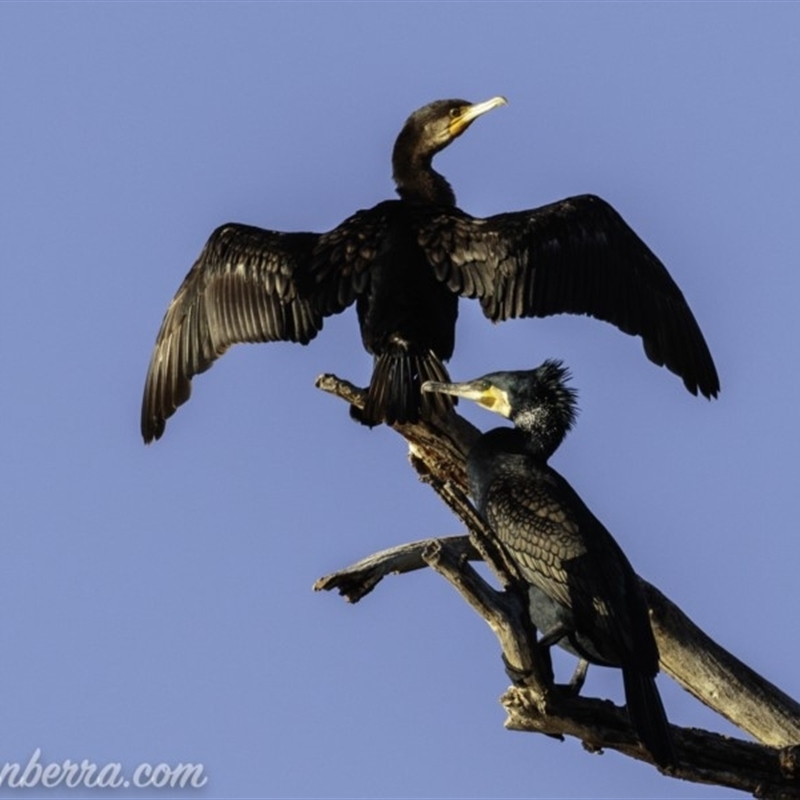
517,676
575,684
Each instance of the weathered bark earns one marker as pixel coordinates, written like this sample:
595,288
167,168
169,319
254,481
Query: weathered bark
719,679
768,769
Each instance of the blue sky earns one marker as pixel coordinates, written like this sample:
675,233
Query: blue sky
157,602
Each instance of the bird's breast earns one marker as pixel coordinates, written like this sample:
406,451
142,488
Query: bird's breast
405,300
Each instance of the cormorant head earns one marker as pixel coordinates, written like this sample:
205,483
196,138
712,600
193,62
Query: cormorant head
537,401
435,125
427,131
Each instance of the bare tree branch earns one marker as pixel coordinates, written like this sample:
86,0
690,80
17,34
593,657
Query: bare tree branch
359,579
438,453
718,679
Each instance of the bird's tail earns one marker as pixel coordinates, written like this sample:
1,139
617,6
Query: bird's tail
394,394
648,716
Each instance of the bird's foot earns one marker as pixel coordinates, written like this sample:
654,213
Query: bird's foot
573,688
553,636
517,676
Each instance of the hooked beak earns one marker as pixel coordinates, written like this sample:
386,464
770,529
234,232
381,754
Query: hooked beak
483,392
470,113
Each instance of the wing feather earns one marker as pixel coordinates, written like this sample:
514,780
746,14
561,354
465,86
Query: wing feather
576,256
254,285
561,548
248,285
342,258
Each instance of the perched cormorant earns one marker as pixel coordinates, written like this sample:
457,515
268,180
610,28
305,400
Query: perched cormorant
583,592
405,263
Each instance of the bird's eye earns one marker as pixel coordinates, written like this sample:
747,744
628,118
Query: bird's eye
455,112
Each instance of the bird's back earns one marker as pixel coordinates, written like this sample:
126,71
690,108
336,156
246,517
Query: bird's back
581,577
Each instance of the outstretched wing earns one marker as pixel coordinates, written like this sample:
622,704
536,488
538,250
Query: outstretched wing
254,285
577,256
248,285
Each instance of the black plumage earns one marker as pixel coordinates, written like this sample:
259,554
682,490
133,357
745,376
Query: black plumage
583,593
405,263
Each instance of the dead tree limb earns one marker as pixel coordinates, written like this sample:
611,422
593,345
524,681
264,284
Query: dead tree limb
709,672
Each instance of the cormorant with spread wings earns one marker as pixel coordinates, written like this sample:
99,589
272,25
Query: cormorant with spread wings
405,263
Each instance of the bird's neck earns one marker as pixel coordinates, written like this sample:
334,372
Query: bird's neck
542,431
418,182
